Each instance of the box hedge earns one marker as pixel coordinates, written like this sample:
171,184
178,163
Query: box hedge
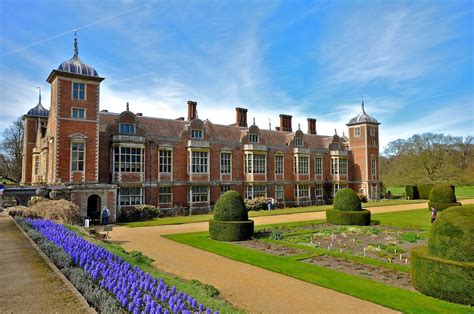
357,217
347,200
452,234
231,230
412,192
230,207
441,278
424,191
442,206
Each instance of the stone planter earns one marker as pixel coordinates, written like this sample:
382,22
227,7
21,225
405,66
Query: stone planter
57,194
43,192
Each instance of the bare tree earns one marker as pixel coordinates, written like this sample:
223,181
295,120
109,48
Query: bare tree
11,150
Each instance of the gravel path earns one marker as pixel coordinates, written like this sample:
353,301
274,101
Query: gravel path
248,287
27,283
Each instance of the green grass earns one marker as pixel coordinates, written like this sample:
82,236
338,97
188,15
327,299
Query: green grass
462,192
290,210
206,294
389,296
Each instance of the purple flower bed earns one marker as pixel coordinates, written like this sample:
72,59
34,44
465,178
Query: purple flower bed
137,291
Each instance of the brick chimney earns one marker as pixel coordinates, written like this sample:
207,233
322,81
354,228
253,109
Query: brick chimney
241,117
192,111
285,123
311,126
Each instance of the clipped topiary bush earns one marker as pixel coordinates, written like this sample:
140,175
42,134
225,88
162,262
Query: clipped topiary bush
442,197
347,210
347,200
445,269
230,221
412,192
424,190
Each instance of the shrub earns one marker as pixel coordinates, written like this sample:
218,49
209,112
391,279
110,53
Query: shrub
424,191
276,234
256,203
339,217
347,200
230,207
452,234
412,192
140,212
36,199
231,230
230,221
442,278
442,194
442,206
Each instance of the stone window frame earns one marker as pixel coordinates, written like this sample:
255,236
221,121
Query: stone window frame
225,168
197,134
277,164
299,142
132,128
165,191
163,158
302,187
77,139
254,138
318,166
299,165
224,188
192,167
279,188
357,131
254,165
198,195
131,196
119,154
255,190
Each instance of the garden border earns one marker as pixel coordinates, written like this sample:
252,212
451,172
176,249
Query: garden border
55,269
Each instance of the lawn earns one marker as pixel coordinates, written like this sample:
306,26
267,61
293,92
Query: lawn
289,210
462,192
389,296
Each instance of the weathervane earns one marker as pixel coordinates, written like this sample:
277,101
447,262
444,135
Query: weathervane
363,109
128,106
39,92
76,50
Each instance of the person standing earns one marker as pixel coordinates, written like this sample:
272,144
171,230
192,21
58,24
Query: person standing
105,216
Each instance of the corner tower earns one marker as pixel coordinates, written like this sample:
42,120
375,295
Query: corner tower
364,143
73,123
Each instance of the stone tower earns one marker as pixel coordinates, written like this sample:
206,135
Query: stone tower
364,143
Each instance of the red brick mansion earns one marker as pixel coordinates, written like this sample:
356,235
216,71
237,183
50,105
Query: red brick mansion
123,159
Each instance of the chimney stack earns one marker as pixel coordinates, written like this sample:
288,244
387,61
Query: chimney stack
241,117
285,123
311,126
192,111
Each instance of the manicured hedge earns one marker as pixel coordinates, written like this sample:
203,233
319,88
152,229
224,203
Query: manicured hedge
231,230
424,191
442,278
452,234
442,194
347,200
442,206
230,207
412,192
339,217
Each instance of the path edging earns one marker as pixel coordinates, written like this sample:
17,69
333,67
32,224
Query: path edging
56,270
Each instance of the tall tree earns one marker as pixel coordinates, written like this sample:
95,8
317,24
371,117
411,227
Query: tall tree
11,149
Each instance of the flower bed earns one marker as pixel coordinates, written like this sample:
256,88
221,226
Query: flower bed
136,291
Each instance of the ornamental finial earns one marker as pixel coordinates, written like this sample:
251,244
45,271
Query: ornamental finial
76,50
363,109
39,92
128,106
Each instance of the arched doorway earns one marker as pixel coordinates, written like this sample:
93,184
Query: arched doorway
93,208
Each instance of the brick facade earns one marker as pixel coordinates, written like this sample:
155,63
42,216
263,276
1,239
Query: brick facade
134,159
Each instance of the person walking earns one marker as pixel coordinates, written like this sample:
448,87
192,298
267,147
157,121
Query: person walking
105,216
434,214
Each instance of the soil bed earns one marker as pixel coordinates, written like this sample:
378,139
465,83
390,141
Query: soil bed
380,274
270,248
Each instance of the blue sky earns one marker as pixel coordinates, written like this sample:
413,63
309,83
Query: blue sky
411,60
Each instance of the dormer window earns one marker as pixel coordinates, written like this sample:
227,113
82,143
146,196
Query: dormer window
128,128
78,91
253,138
299,142
196,134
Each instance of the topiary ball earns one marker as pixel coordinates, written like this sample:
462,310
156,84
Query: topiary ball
452,234
442,194
347,200
230,207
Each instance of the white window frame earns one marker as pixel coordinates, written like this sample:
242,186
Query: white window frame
343,166
224,188
199,194
334,166
78,109
165,162
374,167
318,165
73,83
255,163
318,191
279,164
253,138
302,191
132,128
132,197
120,162
197,134
371,131
36,165
226,162
357,131
199,162
299,142
75,161
301,165
257,190
279,191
